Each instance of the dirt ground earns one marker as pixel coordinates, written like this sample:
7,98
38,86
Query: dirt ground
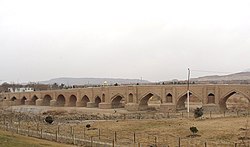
219,130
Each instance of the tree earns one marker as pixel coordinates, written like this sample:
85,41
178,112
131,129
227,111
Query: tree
198,112
194,130
88,126
49,119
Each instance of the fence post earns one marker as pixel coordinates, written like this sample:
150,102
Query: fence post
113,143
7,126
58,129
115,137
99,134
134,137
74,139
210,114
19,122
235,144
237,112
224,113
4,120
56,136
155,140
37,126
91,139
205,144
139,145
28,130
17,130
179,142
84,132
41,132
71,130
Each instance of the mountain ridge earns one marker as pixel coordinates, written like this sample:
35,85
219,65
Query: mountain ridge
92,81
230,77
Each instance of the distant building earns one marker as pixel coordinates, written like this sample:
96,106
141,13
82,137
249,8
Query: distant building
22,89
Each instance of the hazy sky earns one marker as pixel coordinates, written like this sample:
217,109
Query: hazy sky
155,40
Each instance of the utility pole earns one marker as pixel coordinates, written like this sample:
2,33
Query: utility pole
188,92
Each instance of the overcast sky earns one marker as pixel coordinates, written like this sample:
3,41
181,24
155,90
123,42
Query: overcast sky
155,40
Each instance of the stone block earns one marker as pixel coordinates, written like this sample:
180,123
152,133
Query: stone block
91,105
132,107
105,106
39,102
167,107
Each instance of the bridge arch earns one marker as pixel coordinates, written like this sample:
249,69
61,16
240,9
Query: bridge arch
103,97
117,101
46,100
72,101
23,100
143,102
169,98
60,101
130,98
33,100
211,98
13,98
180,105
223,99
85,100
97,101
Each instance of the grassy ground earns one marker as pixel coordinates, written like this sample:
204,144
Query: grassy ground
8,139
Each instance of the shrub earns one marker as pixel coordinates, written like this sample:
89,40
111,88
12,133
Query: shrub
49,120
194,130
198,112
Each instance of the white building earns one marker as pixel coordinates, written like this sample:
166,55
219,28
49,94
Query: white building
22,89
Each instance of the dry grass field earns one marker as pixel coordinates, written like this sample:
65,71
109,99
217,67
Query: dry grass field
219,130
8,139
215,132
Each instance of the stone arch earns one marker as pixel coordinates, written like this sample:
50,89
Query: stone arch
181,103
97,101
223,100
169,98
103,97
85,100
211,98
72,101
23,100
33,100
117,101
143,103
130,98
60,101
13,98
46,100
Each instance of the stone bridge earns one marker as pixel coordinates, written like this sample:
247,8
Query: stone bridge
132,98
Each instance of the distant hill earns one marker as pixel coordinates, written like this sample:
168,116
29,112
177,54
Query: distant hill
92,81
241,76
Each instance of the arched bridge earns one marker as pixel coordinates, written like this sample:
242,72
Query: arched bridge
133,98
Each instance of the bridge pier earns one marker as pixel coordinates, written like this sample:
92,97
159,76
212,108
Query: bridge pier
17,102
105,106
80,104
132,107
91,105
52,103
8,103
167,107
27,102
211,107
39,102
